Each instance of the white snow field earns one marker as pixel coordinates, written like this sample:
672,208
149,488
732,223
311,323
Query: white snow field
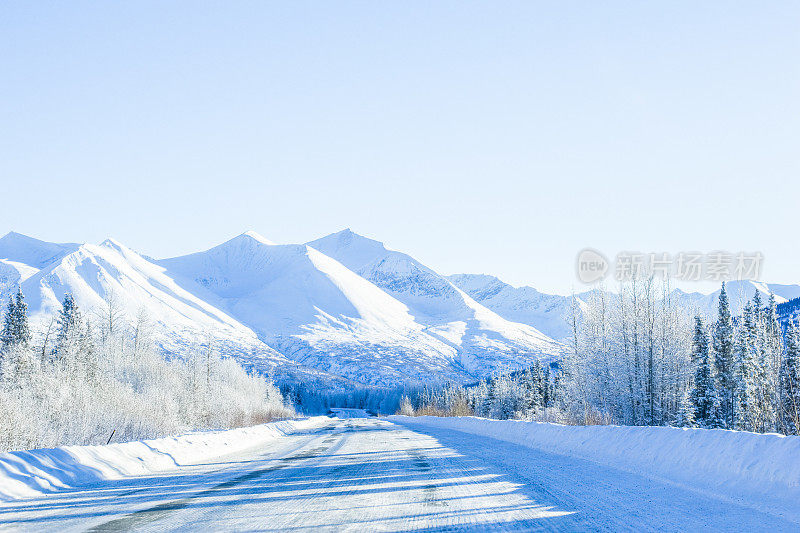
401,474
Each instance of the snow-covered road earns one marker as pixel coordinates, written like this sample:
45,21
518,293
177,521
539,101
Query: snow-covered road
363,474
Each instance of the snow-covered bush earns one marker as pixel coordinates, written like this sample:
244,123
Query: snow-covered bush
90,383
406,408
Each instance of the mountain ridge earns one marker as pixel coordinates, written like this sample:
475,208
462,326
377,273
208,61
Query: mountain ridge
339,309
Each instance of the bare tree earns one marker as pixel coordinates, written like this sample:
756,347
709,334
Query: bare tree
110,315
142,332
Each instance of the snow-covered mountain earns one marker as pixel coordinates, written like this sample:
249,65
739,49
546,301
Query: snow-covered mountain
98,274
739,293
316,311
380,319
342,308
549,313
21,257
485,341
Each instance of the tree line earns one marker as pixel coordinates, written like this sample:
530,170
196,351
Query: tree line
639,358
529,394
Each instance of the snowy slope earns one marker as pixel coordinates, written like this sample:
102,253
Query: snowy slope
548,313
317,312
21,257
486,342
31,252
94,273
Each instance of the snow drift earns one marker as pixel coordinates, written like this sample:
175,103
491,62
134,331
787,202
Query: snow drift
757,470
30,473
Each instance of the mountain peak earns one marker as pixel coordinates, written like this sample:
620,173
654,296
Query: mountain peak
346,238
31,251
112,243
349,248
256,237
15,236
245,241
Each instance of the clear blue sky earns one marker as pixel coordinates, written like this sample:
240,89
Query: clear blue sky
496,137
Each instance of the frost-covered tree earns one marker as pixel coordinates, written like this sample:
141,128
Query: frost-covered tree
724,361
756,373
685,416
769,352
15,330
703,399
547,388
774,352
790,382
630,361
488,403
109,316
69,322
405,406
532,384
746,371
98,388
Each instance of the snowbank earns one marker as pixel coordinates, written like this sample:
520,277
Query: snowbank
30,473
761,471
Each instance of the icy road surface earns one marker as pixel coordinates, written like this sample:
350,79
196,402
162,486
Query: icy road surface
362,474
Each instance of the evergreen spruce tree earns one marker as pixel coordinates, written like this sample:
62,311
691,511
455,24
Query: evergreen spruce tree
23,330
758,306
746,406
698,353
7,333
774,355
722,343
489,403
704,404
69,327
790,382
716,421
685,415
546,391
773,324
15,330
537,386
756,384
524,382
765,374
